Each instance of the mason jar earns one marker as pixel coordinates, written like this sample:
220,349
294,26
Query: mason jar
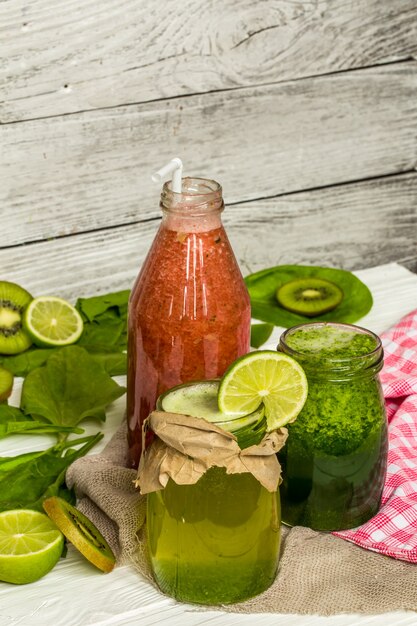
334,461
216,541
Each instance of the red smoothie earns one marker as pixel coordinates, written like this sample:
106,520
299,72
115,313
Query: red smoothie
189,312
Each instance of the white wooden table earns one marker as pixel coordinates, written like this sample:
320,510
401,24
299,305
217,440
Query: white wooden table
75,594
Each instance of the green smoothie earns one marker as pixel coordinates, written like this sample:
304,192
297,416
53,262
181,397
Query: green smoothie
216,541
334,462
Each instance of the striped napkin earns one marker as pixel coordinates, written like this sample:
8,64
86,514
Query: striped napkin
393,531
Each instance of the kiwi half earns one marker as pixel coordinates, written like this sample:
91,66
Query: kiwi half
13,300
309,296
6,384
81,532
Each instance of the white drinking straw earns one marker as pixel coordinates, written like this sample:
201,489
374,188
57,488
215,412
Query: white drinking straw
174,167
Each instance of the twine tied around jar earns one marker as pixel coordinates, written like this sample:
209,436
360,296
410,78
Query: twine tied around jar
186,447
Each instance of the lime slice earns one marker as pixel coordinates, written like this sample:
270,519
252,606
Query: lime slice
30,546
267,377
52,321
199,399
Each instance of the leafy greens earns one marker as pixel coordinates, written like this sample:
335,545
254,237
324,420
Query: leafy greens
262,286
27,479
104,336
62,387
68,388
92,308
114,363
13,421
259,334
105,321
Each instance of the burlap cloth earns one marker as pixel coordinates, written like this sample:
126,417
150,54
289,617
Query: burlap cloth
318,573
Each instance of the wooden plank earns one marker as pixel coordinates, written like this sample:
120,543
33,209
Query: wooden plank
88,54
82,172
349,226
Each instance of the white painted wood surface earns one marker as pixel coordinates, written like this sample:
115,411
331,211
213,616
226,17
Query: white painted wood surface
75,55
87,171
75,594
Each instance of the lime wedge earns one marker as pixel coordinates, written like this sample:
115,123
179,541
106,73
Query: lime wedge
30,546
52,321
267,377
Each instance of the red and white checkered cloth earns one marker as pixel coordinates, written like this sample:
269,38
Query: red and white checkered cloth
393,531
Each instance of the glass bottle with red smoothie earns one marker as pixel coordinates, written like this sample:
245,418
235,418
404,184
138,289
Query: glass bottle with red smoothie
189,310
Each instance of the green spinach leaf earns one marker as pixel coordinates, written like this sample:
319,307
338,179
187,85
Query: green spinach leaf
357,299
259,334
27,479
68,388
105,321
91,308
113,361
14,422
107,330
22,364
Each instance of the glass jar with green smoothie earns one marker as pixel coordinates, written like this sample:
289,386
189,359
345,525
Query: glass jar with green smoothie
334,461
216,541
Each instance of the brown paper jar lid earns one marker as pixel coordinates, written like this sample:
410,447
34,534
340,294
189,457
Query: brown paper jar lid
186,447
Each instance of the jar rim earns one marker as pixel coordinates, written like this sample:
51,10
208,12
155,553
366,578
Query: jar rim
370,359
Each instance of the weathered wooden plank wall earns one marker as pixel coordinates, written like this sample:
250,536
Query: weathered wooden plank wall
65,56
305,111
330,226
91,170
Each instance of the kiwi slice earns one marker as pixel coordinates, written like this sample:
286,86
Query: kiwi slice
81,532
13,301
6,384
309,296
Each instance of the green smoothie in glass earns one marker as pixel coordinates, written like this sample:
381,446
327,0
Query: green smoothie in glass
216,541
334,461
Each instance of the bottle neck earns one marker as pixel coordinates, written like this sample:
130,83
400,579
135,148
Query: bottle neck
196,209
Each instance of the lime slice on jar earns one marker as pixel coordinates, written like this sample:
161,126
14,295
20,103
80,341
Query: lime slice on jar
52,322
199,399
30,546
265,377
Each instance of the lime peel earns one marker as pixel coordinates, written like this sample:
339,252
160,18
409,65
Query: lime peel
267,377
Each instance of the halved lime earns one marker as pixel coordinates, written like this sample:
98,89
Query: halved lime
267,377
30,546
52,321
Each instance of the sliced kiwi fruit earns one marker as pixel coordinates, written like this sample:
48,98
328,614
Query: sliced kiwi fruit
309,296
13,301
6,384
81,532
